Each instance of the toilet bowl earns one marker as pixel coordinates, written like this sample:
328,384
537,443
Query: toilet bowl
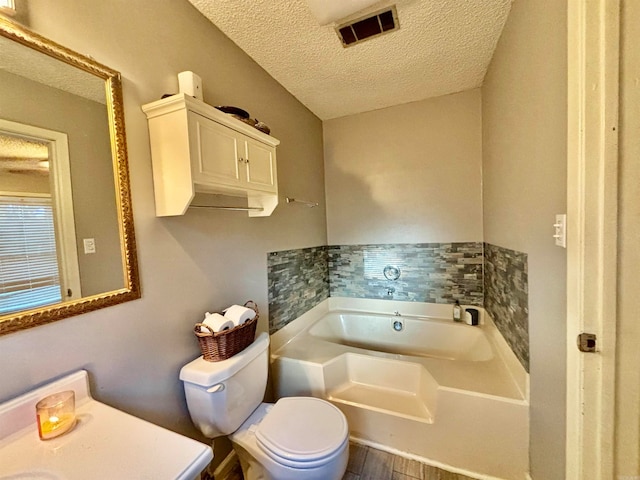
277,442
301,438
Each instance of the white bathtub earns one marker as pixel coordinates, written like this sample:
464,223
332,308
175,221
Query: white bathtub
449,394
421,337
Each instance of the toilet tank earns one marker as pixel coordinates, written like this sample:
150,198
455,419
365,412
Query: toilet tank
222,395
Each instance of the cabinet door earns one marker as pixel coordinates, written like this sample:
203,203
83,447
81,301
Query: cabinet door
215,152
261,166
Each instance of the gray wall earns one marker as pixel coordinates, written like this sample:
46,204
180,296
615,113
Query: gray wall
406,174
201,261
524,114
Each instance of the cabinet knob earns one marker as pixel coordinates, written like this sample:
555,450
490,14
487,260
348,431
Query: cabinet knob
240,159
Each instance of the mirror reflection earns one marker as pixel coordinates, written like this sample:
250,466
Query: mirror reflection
65,224
30,252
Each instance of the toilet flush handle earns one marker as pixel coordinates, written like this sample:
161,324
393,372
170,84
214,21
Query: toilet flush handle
218,387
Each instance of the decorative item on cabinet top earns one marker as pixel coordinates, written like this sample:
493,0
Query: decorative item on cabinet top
196,148
244,116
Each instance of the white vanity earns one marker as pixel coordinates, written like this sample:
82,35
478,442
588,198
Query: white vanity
105,444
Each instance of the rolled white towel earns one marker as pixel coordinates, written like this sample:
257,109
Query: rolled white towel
239,314
216,322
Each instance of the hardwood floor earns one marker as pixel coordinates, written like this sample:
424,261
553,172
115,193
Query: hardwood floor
366,463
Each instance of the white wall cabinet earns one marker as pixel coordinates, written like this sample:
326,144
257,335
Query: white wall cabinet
197,148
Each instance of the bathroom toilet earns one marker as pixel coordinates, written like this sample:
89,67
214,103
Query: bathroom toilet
297,438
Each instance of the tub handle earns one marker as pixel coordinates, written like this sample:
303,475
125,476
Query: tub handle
218,387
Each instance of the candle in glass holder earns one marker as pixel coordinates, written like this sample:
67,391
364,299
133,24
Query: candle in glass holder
56,414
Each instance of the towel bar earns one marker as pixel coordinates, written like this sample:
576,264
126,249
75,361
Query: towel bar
240,209
303,202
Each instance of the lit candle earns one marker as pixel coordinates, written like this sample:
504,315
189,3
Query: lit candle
56,414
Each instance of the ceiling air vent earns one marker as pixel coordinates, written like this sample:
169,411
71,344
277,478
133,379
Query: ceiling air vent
364,28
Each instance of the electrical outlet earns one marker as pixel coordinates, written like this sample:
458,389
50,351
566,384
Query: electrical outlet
560,228
89,245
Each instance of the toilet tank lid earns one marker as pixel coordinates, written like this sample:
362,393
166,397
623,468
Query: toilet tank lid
206,374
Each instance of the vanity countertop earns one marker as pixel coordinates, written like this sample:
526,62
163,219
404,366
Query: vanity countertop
105,443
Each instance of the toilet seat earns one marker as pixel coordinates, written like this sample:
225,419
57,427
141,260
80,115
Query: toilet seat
302,432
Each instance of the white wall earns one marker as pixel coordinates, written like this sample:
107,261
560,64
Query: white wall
627,446
406,174
202,261
524,111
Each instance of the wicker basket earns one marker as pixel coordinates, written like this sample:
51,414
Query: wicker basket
217,346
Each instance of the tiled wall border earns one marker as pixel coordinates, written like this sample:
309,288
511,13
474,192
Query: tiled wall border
298,280
429,272
507,297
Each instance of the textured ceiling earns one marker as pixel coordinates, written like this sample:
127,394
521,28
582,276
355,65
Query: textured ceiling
14,147
442,47
25,62
18,154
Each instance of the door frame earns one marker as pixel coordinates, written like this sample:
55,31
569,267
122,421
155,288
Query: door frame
62,202
592,208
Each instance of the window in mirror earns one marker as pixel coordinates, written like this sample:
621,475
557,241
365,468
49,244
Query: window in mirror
28,259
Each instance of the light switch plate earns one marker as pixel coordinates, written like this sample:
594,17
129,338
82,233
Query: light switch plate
560,227
89,245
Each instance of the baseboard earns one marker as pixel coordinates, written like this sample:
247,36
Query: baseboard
226,467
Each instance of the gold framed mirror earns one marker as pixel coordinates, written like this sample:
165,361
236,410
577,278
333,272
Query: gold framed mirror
64,184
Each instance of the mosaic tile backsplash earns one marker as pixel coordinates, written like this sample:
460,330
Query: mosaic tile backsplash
506,297
429,272
298,281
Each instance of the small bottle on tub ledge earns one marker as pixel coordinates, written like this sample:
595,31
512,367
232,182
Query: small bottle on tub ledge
457,312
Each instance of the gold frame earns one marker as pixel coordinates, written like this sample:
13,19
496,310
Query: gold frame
113,89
